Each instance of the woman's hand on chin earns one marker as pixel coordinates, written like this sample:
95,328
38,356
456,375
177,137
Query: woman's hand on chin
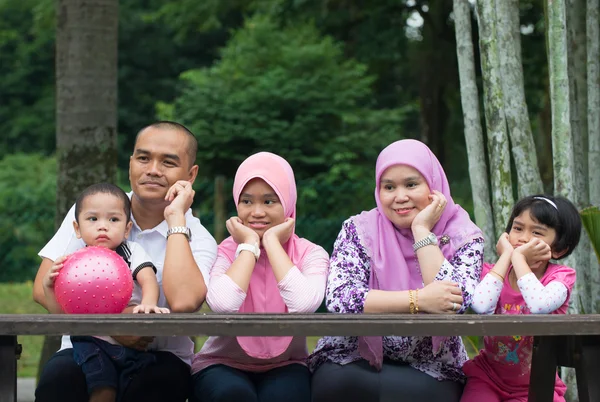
440,297
240,233
431,214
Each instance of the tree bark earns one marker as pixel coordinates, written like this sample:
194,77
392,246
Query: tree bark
593,126
562,137
436,74
478,172
593,83
86,104
515,106
576,41
498,148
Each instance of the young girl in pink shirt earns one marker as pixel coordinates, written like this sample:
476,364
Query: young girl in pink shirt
263,267
523,281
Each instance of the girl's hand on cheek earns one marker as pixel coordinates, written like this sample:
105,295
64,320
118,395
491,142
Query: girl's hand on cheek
534,251
503,245
281,232
240,233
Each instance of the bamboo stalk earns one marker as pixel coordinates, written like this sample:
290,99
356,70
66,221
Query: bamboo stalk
498,149
515,106
478,172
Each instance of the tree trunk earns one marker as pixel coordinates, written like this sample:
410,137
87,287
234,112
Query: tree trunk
86,104
593,84
498,149
562,137
593,126
478,172
436,74
578,109
515,106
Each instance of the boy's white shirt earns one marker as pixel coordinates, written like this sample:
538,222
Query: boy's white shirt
153,241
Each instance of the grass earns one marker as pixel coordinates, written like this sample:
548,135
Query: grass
15,298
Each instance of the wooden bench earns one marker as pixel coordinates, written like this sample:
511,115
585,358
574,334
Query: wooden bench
559,340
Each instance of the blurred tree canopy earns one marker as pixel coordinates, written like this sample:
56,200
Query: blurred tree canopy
27,202
325,84
287,90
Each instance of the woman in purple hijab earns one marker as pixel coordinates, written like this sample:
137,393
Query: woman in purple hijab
416,252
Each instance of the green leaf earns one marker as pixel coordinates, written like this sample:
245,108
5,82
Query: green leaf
590,217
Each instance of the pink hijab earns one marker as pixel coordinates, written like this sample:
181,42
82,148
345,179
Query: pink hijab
263,294
394,265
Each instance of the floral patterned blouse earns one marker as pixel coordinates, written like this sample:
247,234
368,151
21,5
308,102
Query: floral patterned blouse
347,288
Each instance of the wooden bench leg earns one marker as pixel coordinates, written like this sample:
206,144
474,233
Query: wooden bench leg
588,371
8,369
543,369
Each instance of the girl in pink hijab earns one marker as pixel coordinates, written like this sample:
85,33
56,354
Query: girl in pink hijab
416,252
263,267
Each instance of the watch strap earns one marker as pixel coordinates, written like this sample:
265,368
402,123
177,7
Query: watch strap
426,241
184,230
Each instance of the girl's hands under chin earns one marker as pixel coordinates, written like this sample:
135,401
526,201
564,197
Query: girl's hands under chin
503,245
535,252
281,232
431,214
240,233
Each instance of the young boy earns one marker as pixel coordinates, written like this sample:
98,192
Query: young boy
103,218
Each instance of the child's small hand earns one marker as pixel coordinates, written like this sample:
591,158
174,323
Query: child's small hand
53,272
503,245
149,308
534,251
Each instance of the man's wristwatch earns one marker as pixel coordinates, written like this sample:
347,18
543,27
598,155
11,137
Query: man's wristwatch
253,248
180,229
431,238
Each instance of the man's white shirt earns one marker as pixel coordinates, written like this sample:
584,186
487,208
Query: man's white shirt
154,241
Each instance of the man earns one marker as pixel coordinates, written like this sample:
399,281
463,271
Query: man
161,172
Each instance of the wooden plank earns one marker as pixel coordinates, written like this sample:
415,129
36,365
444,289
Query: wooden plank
299,324
543,369
8,369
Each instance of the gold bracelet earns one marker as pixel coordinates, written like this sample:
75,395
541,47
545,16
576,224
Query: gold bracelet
417,301
497,275
411,301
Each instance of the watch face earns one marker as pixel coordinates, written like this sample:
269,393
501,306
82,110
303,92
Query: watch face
433,238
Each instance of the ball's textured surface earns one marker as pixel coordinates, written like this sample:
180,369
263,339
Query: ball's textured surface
94,280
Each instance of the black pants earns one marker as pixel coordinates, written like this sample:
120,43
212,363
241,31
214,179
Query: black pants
395,382
63,381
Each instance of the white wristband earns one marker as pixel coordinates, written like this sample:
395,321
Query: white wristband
253,248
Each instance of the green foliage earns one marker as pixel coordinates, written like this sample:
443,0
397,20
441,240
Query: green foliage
590,217
291,91
285,90
27,70
27,204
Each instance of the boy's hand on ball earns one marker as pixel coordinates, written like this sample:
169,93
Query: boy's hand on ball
149,308
53,272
